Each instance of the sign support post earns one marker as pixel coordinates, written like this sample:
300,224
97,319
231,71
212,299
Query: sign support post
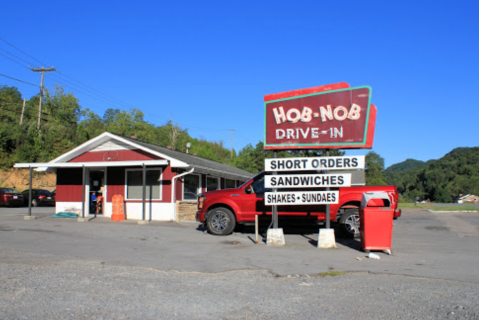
275,236
328,212
326,238
275,207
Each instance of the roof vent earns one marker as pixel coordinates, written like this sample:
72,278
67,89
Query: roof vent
194,154
169,147
134,137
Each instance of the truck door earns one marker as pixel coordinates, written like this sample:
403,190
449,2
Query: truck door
253,199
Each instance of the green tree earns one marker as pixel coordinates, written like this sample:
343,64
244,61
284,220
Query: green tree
90,126
441,196
60,107
110,115
374,169
10,111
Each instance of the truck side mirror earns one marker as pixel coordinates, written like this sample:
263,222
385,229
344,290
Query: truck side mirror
248,189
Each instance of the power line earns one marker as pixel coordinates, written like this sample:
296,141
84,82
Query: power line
8,102
15,61
22,51
100,96
3,75
102,99
121,102
15,55
89,95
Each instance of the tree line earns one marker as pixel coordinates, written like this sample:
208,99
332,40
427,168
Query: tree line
441,180
65,125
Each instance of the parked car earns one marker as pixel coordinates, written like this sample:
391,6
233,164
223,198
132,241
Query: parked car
39,197
10,197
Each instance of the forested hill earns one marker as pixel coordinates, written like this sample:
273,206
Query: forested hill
405,165
65,124
439,180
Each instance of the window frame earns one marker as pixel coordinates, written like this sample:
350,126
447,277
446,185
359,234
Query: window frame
141,170
198,189
218,182
235,183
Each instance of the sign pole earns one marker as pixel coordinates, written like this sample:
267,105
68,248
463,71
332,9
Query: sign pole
275,235
275,207
328,213
326,238
30,217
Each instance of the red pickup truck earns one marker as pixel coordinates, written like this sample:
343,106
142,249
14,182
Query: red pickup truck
222,210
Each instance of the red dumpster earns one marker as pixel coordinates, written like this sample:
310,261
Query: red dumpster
376,222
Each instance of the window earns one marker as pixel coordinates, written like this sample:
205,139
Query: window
258,185
134,184
212,184
191,184
230,184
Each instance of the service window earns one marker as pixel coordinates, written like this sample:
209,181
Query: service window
191,185
134,184
212,184
230,184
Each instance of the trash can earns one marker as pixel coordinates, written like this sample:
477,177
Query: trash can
376,222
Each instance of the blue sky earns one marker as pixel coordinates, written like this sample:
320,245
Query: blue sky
206,65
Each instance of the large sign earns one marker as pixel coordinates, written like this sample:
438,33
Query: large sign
301,198
341,118
315,163
308,180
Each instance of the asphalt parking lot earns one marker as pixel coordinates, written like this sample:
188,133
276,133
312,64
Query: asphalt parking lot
177,270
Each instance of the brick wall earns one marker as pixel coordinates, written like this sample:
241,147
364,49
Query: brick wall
186,210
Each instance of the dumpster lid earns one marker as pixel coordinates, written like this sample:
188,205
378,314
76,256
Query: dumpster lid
373,195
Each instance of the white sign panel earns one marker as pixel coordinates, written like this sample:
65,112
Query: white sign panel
317,163
307,180
301,198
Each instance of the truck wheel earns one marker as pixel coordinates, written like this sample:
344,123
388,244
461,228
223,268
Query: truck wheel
349,223
221,221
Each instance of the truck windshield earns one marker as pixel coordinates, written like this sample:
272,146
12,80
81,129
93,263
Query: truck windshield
249,181
257,183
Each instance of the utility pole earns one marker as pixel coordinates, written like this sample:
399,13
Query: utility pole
42,70
231,142
23,110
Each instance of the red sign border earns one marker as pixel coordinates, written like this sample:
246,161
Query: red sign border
370,127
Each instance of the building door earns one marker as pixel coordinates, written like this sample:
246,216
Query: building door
97,191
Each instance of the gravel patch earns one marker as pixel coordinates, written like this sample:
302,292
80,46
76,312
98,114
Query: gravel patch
38,286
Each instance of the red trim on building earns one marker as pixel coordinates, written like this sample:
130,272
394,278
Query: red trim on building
115,155
69,185
68,193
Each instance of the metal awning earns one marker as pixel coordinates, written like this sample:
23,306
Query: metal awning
149,163
91,164
221,173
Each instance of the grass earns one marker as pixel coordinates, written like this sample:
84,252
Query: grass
435,208
331,274
462,208
403,205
